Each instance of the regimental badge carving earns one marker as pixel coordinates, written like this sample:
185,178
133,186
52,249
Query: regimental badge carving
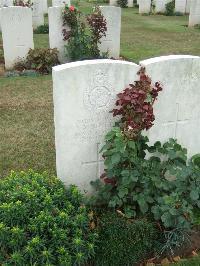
99,94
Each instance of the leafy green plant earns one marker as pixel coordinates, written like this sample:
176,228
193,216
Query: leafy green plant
85,33
170,8
164,185
124,242
122,3
42,29
42,222
40,60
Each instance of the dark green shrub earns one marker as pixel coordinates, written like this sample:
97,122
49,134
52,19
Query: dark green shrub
170,8
124,242
122,3
42,223
41,60
42,29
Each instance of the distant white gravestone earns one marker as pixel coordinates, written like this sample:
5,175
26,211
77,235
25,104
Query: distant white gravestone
38,13
55,32
160,5
144,6
60,2
111,43
177,108
194,18
180,6
17,33
130,3
113,2
6,3
84,93
188,2
45,6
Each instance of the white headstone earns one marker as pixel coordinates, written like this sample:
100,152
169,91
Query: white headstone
55,32
6,3
60,2
188,2
17,33
144,6
113,2
194,18
111,43
130,3
180,6
38,13
177,108
84,93
160,5
45,6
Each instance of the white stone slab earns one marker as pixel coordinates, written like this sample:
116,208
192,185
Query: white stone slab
144,6
55,32
130,3
188,2
111,43
177,108
180,6
84,93
113,2
45,6
194,18
17,33
6,3
60,2
160,5
38,13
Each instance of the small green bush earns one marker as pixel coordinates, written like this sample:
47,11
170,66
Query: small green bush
42,223
122,3
170,8
124,242
42,29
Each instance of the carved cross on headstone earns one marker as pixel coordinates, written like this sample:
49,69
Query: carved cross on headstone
177,121
97,162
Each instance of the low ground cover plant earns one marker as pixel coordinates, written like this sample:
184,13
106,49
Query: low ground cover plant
124,242
42,222
42,29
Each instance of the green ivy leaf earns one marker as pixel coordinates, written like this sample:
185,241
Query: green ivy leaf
194,194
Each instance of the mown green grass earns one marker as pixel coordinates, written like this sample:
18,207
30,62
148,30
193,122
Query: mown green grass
26,105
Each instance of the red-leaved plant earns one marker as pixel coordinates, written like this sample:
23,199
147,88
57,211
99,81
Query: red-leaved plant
135,105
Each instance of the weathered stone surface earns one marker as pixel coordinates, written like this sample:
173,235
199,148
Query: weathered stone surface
6,3
84,93
188,2
111,43
160,5
194,18
60,2
38,13
130,3
144,6
17,33
177,108
55,32
180,6
113,2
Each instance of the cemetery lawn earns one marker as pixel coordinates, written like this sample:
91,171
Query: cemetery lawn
26,124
